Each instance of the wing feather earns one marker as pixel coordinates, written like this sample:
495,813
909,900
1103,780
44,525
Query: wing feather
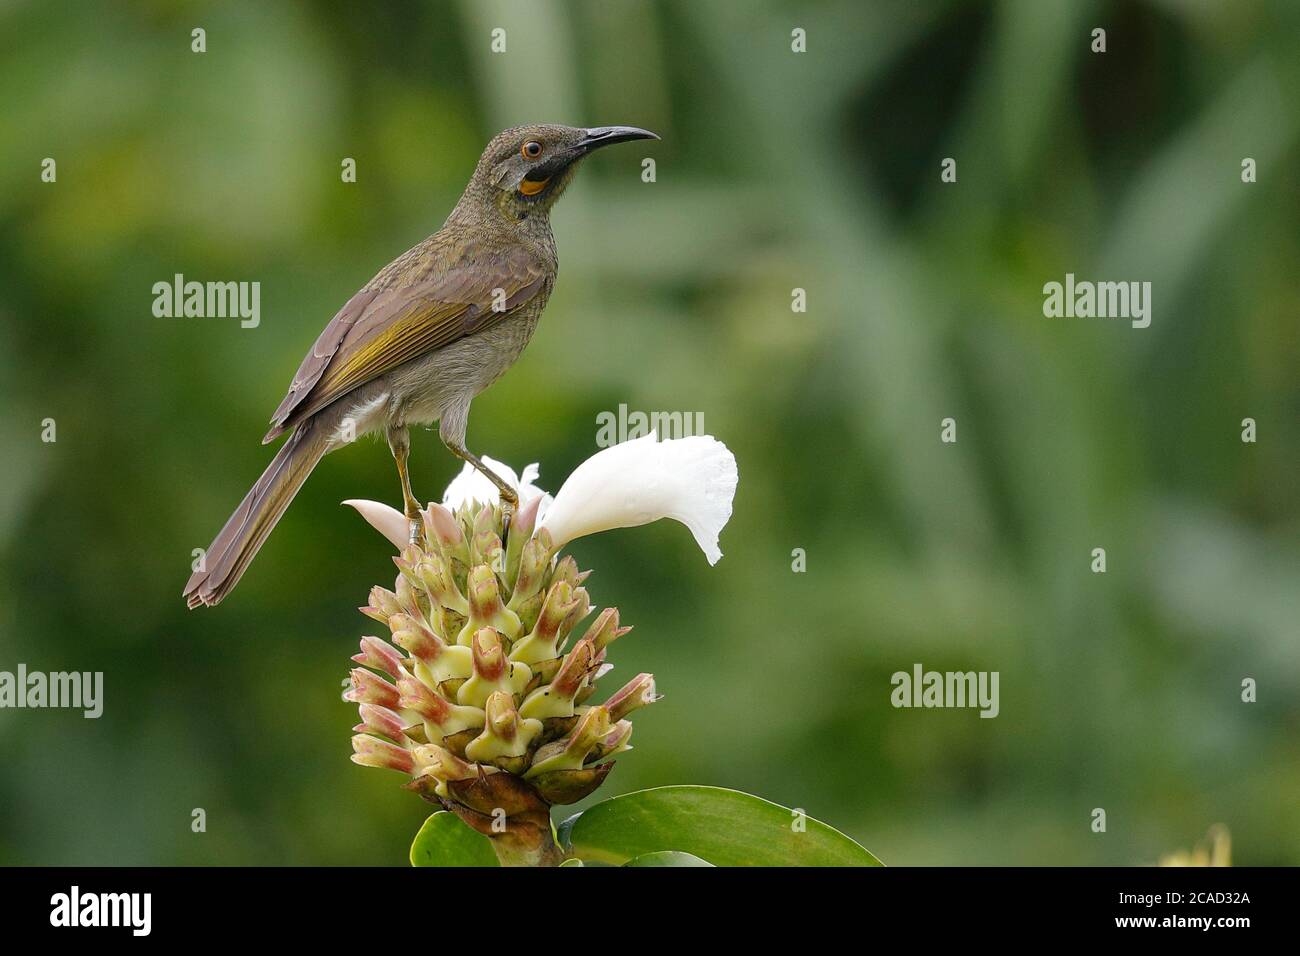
381,328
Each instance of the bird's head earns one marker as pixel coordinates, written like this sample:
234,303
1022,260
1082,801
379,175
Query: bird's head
528,167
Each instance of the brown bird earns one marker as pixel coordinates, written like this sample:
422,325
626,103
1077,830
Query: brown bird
435,327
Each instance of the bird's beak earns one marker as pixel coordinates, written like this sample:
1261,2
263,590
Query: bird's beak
599,136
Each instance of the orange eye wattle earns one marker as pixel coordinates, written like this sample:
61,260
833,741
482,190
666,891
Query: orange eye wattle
531,187
531,149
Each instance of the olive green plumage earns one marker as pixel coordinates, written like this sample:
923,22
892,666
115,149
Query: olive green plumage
431,330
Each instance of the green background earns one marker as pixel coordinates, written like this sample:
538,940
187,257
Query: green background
776,170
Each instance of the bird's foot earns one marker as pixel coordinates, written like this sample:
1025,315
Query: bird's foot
414,522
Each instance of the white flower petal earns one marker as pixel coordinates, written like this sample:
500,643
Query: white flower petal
389,522
528,490
472,485
692,480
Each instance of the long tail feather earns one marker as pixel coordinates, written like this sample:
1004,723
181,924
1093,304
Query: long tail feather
239,541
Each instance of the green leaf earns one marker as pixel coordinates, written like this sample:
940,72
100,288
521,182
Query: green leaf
667,858
723,827
445,840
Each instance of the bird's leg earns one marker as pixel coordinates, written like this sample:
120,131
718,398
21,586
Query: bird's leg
399,443
509,497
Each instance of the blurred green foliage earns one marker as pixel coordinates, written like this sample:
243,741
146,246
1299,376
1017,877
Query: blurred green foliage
777,170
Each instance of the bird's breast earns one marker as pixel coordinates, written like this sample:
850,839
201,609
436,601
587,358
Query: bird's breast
423,387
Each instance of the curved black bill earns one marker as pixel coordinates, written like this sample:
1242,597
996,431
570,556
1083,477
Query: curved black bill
599,136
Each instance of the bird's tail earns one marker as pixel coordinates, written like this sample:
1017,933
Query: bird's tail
239,541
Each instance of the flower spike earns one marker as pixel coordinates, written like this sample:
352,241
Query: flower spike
489,711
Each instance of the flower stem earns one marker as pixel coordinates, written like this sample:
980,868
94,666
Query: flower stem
535,848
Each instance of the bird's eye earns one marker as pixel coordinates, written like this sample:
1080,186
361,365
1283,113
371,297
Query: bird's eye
531,149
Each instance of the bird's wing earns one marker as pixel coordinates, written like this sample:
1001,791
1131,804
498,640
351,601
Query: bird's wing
379,329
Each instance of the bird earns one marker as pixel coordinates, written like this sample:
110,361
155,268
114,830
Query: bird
432,329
